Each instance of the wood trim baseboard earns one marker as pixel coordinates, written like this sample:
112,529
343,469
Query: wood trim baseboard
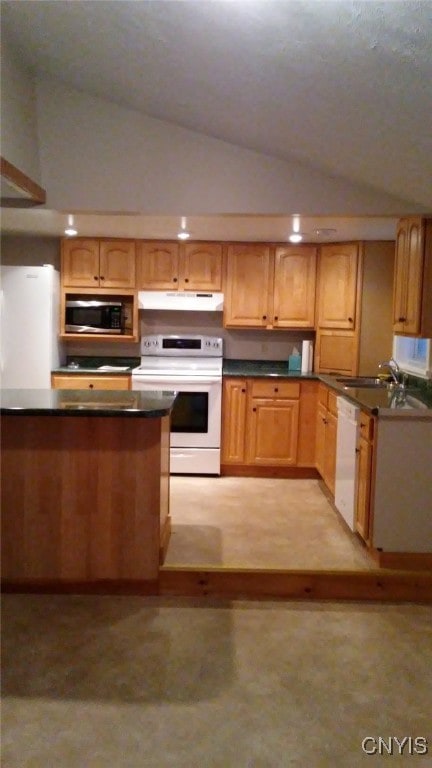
248,470
97,587
32,193
301,585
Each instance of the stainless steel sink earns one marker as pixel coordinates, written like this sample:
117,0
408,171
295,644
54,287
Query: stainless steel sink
371,382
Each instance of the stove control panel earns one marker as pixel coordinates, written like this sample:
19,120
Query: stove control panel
173,345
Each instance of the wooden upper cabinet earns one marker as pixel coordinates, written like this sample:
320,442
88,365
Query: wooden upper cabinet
117,263
337,288
163,266
249,269
412,297
80,263
157,265
294,287
201,267
94,263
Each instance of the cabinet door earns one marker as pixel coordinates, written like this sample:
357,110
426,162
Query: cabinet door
117,263
201,267
234,421
330,452
337,289
363,488
248,285
157,266
80,263
336,352
63,381
321,421
273,432
409,276
294,287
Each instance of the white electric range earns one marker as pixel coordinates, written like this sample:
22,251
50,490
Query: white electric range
191,365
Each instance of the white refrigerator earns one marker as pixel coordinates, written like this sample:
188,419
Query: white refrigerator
29,345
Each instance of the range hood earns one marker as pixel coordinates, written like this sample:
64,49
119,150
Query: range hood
197,301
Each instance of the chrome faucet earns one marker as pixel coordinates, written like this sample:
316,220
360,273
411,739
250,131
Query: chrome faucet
394,369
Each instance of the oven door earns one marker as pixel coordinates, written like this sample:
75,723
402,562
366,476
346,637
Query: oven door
196,415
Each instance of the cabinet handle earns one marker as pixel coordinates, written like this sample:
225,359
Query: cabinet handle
401,319
324,420
276,317
357,450
254,409
350,320
102,277
186,279
276,389
243,390
175,279
264,317
95,277
91,386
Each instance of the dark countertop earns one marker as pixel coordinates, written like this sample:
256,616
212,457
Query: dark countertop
83,402
379,401
258,368
85,365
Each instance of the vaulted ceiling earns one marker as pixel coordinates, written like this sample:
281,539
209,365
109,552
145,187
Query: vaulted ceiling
343,86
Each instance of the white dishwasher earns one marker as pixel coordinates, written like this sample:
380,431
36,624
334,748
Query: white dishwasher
346,459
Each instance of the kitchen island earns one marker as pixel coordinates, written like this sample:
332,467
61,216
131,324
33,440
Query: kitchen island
85,489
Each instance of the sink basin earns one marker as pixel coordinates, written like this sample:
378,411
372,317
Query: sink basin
409,401
362,381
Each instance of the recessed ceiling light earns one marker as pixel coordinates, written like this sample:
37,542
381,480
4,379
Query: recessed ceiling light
325,231
296,237
183,234
70,230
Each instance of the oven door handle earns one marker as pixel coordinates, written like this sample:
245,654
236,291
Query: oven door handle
177,381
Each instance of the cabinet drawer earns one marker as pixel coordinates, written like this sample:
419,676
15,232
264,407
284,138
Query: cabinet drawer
89,382
366,426
323,395
278,389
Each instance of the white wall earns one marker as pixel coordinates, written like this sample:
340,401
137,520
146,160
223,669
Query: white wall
19,141
97,156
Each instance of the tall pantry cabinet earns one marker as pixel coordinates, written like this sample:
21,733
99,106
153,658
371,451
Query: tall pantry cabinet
354,307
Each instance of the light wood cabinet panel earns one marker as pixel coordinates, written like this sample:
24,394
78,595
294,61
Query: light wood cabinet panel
326,434
80,262
117,264
77,381
330,452
294,287
97,263
234,402
157,265
336,352
247,288
412,298
273,432
201,267
337,291
364,470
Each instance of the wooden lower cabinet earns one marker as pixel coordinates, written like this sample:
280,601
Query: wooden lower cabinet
268,423
83,381
364,477
326,434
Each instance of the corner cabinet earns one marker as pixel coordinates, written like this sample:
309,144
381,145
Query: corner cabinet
412,298
97,263
170,266
270,287
326,434
268,423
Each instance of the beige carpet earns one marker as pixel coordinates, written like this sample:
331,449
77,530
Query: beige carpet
129,682
259,523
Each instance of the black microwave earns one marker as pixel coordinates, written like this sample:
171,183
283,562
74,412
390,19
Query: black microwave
94,317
